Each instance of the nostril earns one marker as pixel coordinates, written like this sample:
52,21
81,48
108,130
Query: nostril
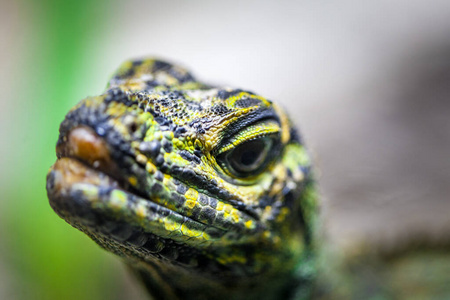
130,123
133,127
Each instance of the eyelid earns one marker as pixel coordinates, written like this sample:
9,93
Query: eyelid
258,130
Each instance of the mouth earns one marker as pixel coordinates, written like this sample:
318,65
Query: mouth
85,189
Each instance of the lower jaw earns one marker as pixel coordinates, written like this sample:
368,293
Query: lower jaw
120,222
92,200
134,228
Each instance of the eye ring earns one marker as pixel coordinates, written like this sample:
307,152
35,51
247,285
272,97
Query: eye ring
249,158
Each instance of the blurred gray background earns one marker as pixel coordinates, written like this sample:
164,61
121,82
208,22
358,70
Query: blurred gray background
367,82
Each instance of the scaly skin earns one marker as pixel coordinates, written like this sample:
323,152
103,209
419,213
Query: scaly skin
205,192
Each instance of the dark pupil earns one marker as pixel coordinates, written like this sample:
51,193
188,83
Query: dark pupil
250,156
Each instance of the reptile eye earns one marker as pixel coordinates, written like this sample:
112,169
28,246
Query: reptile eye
249,158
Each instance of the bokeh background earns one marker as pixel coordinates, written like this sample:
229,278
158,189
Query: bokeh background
368,83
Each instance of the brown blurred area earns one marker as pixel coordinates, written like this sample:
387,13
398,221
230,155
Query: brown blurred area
393,185
367,82
387,199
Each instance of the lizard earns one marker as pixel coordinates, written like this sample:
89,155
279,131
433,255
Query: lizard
206,192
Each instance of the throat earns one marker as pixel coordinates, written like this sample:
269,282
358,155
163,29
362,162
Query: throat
168,282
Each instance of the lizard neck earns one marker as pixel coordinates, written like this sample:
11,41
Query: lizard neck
172,282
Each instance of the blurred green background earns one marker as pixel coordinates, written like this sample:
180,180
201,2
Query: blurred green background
345,69
41,257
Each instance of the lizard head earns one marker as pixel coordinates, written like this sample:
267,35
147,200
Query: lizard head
166,171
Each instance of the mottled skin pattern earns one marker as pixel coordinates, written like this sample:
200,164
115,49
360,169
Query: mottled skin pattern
206,192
